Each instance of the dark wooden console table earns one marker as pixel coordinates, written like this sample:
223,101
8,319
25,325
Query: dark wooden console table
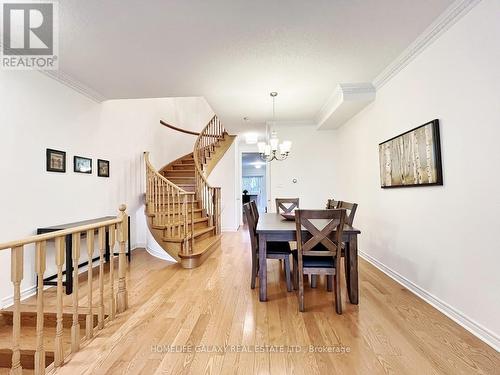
68,283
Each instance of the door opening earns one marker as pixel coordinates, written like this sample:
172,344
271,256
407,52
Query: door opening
253,175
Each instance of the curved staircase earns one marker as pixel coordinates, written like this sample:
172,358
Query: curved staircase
182,209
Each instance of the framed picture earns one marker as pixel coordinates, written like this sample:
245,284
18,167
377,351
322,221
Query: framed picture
82,165
412,158
56,161
102,168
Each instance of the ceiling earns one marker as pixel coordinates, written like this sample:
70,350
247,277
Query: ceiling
234,52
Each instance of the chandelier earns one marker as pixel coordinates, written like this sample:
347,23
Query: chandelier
272,149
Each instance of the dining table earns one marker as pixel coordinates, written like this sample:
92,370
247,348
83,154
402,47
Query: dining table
273,227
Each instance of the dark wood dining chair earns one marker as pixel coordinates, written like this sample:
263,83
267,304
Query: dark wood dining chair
350,211
255,210
286,205
332,204
318,250
275,250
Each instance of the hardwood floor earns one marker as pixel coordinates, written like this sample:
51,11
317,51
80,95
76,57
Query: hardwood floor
391,331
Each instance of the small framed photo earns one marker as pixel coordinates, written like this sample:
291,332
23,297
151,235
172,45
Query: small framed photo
82,165
102,168
56,161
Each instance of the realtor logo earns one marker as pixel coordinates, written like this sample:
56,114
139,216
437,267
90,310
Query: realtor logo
29,35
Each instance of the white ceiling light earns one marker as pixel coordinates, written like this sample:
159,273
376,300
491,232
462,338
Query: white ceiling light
272,149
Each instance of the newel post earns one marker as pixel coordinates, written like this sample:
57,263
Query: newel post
122,294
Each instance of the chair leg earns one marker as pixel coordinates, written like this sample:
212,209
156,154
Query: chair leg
329,283
346,263
301,291
338,298
314,281
295,274
254,272
288,274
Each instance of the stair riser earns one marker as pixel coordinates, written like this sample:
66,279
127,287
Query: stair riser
197,215
201,225
204,235
176,204
183,167
180,173
181,180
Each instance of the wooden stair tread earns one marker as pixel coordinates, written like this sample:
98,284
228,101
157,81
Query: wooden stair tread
184,164
28,337
202,248
196,220
197,232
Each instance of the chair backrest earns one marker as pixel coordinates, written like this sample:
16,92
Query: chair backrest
286,205
332,204
252,227
330,237
255,211
350,211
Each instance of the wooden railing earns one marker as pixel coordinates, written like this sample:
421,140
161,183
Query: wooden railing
118,230
209,196
170,206
179,129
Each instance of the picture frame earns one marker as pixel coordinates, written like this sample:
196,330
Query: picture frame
102,168
82,165
412,158
55,160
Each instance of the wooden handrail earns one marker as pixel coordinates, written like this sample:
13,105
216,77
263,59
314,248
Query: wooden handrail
59,233
117,230
150,167
190,132
208,195
179,129
168,205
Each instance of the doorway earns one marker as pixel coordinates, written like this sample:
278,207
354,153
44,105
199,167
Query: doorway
253,180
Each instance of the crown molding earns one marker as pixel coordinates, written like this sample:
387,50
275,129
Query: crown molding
447,19
326,117
70,82
346,100
74,84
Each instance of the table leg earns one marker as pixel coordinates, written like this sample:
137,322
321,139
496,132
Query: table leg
347,258
69,265
351,261
262,267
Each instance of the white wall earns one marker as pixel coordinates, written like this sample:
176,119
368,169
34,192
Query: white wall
36,113
444,240
311,163
223,176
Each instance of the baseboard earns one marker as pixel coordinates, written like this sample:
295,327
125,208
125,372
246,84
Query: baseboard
458,317
26,293
138,246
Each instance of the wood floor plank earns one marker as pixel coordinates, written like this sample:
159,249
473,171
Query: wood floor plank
390,331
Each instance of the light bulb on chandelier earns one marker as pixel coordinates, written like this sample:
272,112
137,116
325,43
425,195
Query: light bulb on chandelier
273,149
